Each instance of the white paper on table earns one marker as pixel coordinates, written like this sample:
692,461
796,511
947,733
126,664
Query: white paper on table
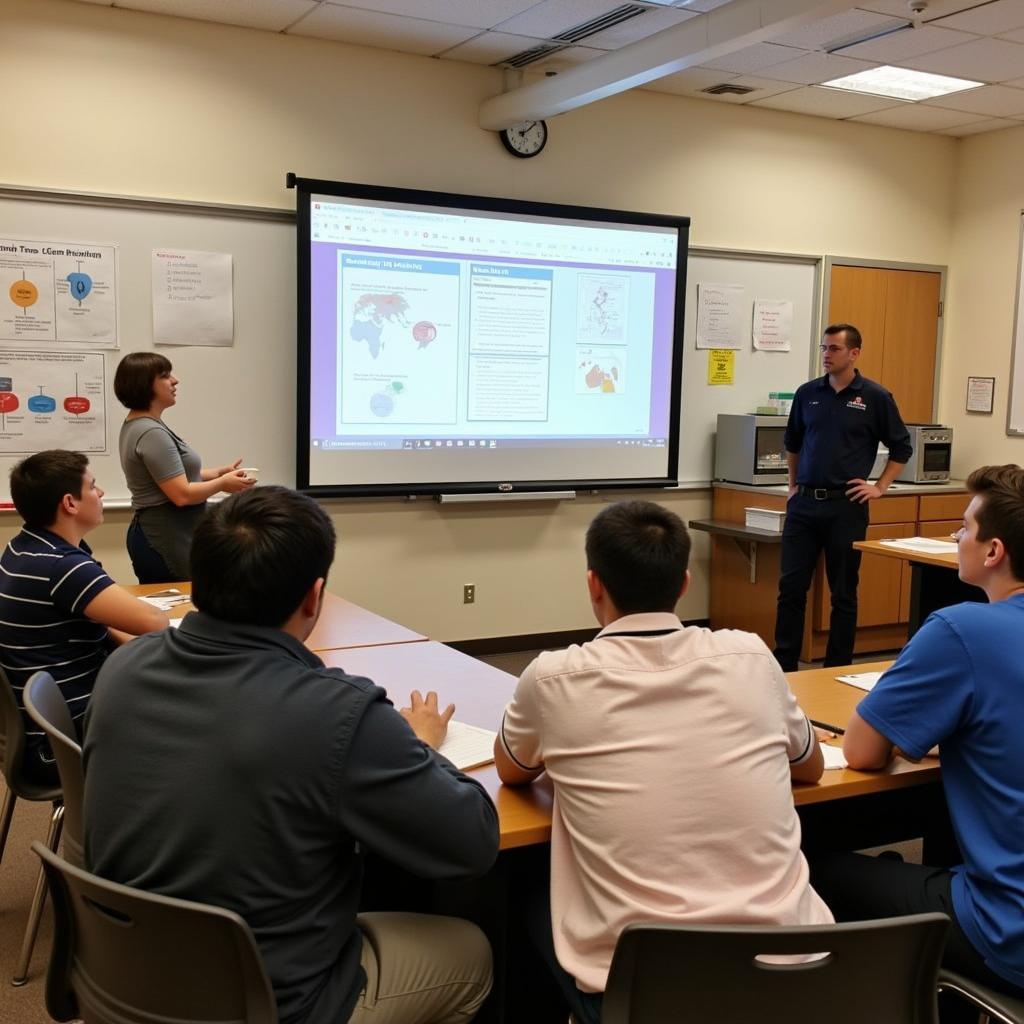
468,746
773,325
175,623
862,680
929,545
192,298
834,757
720,316
165,600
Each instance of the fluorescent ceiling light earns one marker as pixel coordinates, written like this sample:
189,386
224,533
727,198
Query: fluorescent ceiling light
901,83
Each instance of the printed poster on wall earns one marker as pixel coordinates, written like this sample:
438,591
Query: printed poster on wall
51,399
192,298
772,329
720,315
721,366
64,292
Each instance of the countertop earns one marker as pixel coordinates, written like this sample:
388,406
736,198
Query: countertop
896,489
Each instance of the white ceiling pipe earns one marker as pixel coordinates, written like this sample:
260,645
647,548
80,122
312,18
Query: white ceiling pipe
698,40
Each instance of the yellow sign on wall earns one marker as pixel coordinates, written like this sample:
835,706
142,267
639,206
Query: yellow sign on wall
721,362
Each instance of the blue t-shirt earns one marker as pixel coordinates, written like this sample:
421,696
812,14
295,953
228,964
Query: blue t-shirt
960,683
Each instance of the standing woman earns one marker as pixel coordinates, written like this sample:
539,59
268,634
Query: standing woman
168,484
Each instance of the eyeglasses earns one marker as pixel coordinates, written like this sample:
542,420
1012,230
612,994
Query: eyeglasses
959,533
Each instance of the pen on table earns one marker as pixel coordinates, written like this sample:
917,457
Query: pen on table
839,731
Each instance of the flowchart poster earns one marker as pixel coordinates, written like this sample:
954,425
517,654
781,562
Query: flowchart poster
63,292
52,400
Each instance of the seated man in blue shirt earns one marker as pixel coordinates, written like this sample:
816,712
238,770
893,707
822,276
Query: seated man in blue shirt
225,763
958,683
59,611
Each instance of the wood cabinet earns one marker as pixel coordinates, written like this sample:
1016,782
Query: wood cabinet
897,313
884,590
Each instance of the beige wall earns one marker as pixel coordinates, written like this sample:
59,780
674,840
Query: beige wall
980,294
114,101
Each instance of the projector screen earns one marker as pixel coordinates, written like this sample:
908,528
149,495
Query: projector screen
461,344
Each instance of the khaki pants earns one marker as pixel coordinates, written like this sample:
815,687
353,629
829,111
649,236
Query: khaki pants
421,969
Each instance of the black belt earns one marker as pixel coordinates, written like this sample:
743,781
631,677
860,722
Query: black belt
821,493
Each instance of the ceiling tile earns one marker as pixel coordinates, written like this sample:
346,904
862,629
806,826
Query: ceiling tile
567,58
490,48
699,6
475,13
984,60
988,19
1016,36
936,8
690,81
271,15
388,31
825,32
994,124
821,102
991,100
916,117
813,68
908,42
638,28
549,17
753,58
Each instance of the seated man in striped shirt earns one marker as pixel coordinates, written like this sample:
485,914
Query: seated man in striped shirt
59,611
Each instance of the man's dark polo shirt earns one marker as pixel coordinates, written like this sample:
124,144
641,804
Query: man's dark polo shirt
837,433
226,764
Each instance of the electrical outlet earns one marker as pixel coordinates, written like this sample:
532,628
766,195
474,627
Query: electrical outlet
468,593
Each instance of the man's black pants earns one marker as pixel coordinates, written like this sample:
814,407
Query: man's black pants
811,527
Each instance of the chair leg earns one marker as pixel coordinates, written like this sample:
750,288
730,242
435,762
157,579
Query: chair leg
5,819
39,898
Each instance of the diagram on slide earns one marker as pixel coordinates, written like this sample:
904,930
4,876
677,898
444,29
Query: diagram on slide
397,340
600,370
601,315
52,400
58,292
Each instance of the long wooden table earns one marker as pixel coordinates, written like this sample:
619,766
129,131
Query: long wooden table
934,580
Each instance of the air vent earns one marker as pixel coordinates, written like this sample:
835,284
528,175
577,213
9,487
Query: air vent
725,89
571,36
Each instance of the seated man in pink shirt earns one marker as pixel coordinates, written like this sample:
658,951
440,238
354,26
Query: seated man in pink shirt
671,750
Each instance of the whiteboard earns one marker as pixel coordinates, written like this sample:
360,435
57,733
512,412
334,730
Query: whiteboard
762,276
236,401
1015,402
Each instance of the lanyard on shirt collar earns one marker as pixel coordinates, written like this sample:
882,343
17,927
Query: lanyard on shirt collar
643,632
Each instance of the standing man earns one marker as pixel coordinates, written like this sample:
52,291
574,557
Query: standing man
832,438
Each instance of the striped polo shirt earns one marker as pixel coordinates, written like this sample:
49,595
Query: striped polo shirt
45,583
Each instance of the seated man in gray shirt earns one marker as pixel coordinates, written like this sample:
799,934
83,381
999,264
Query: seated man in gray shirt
225,764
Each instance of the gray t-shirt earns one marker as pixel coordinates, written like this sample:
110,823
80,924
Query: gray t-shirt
151,452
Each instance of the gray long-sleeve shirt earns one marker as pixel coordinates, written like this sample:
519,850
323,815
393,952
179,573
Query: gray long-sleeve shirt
226,764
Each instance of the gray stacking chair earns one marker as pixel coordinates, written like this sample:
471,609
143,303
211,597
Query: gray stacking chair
124,956
879,971
991,1003
12,748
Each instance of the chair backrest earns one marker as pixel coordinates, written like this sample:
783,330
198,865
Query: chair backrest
46,706
12,748
124,956
879,971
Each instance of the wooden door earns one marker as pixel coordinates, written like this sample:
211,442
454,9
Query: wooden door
911,329
857,295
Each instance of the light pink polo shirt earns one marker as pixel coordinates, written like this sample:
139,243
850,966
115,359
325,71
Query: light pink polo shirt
670,758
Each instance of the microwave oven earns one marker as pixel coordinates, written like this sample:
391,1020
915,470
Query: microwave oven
933,454
750,449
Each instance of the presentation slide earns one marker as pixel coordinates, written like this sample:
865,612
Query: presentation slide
456,348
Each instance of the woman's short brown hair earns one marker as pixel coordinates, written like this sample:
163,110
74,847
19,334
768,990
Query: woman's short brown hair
133,379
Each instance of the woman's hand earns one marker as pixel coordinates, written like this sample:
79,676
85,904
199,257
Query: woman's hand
234,480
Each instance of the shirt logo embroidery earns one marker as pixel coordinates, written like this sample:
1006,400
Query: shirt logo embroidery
856,403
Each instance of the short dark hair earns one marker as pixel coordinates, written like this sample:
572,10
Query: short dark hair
1001,511
39,483
134,376
256,554
851,336
640,552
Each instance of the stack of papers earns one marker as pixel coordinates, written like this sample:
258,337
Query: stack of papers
468,746
862,680
927,545
765,518
165,600
834,757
